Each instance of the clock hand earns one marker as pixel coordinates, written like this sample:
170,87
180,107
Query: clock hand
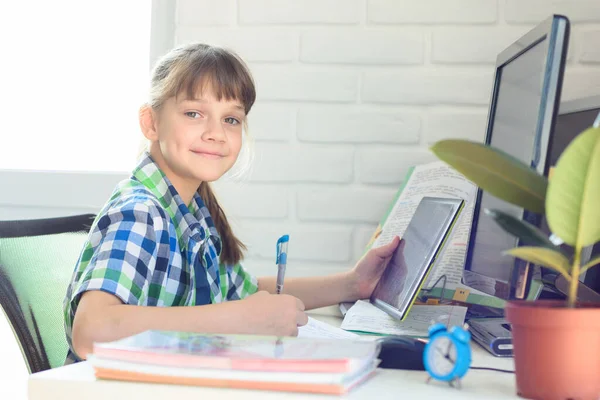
446,356
448,353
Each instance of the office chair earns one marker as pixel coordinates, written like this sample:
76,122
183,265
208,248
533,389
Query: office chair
37,259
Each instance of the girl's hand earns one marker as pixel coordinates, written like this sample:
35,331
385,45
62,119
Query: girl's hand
274,314
364,276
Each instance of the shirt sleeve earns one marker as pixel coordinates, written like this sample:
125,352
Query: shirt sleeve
240,283
122,254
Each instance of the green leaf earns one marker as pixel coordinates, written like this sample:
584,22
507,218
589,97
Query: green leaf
545,257
589,265
495,171
572,203
528,233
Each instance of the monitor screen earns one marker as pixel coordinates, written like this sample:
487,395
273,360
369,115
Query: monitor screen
575,117
513,131
517,125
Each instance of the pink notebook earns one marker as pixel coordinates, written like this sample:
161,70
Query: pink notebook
240,352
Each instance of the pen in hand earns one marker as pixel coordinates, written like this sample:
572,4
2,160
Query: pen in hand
281,261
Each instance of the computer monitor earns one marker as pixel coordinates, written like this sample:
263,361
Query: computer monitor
521,118
573,118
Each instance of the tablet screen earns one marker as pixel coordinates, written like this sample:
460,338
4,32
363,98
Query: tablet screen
414,256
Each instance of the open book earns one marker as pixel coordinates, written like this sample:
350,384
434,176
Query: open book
365,317
436,179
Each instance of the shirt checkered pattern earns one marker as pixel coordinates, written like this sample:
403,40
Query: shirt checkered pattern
148,248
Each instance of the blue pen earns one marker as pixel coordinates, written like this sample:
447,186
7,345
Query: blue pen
281,261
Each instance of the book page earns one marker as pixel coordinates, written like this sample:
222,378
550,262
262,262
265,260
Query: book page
435,179
317,329
364,316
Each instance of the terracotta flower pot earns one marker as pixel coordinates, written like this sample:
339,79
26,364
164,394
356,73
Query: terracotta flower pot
556,349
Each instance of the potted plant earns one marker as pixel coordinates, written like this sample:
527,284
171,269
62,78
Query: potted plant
556,343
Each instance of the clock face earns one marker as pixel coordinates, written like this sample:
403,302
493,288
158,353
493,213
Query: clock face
442,356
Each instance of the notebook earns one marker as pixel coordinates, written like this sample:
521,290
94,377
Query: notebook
313,365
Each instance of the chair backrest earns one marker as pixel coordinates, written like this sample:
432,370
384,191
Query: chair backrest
37,259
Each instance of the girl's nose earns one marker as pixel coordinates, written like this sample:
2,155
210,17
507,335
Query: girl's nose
214,130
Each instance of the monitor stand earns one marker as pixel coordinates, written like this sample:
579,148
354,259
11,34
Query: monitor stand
489,329
493,334
558,288
478,311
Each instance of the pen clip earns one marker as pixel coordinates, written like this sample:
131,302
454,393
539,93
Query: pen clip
281,256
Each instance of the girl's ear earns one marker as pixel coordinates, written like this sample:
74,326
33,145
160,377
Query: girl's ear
148,122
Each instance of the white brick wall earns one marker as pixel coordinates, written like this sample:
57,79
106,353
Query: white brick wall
531,11
287,12
426,86
351,123
432,11
590,43
284,163
365,46
351,93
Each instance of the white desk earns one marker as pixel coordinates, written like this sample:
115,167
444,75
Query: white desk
78,382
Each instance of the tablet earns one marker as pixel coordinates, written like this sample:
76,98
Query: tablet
420,245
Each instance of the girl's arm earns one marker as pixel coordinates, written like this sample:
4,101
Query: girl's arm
316,292
102,317
356,284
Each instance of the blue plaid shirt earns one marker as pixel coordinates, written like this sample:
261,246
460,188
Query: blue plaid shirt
148,248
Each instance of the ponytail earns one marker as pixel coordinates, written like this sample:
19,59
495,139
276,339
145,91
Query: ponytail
232,247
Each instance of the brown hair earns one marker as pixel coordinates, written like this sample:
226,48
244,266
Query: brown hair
187,70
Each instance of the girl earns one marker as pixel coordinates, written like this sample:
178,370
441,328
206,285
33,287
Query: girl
163,240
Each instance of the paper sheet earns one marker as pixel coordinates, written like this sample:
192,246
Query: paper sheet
365,317
318,329
439,180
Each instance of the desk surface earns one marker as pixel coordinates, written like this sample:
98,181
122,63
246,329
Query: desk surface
72,381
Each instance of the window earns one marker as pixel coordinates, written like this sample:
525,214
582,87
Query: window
73,75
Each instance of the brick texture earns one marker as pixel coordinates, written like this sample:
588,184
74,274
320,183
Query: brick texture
388,166
428,87
205,12
351,46
299,12
432,11
350,124
533,11
310,163
285,83
590,43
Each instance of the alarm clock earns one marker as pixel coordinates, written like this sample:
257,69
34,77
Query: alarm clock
447,354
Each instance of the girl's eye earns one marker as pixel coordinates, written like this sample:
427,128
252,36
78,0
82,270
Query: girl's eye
192,114
232,121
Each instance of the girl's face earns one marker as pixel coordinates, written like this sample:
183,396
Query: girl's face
196,140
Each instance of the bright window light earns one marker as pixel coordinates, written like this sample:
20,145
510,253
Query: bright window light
72,76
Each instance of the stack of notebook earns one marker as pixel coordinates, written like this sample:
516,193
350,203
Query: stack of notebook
331,366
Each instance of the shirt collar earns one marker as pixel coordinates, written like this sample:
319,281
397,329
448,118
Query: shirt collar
194,222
